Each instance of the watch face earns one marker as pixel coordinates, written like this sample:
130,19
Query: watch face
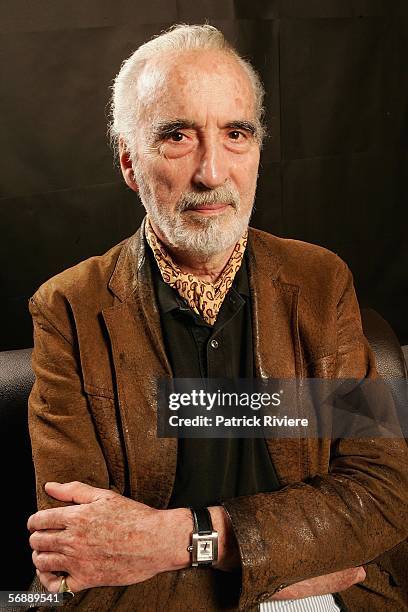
205,550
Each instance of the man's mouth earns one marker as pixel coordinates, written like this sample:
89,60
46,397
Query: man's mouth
209,209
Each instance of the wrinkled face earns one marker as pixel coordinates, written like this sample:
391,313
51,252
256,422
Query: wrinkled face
196,153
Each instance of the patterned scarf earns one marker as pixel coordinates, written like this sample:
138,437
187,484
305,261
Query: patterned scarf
202,297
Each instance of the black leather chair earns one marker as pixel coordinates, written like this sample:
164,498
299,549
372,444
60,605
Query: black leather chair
390,357
18,484
18,499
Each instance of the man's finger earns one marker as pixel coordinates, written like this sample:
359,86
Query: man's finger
52,518
49,562
346,578
52,582
47,540
322,585
77,492
49,580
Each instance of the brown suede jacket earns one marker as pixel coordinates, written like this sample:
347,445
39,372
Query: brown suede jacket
98,354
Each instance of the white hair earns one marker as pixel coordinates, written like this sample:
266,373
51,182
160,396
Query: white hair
180,37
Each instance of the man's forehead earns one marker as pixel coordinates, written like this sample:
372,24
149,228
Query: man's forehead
183,78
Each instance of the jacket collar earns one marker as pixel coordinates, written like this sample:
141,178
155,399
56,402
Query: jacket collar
126,275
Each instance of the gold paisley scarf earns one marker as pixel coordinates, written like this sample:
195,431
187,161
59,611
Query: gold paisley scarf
204,298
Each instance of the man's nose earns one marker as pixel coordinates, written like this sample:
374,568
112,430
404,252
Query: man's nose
212,166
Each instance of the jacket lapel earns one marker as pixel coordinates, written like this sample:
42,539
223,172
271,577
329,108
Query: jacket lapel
276,343
139,361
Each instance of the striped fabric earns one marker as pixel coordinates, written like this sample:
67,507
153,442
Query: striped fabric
317,603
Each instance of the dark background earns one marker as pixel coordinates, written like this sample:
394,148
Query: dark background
334,169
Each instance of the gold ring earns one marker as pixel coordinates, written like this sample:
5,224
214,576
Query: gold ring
64,589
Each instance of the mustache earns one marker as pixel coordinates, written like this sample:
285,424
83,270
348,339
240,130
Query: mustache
221,195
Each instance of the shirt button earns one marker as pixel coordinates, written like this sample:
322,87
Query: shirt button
214,344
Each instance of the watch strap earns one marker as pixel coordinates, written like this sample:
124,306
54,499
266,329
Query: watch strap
202,520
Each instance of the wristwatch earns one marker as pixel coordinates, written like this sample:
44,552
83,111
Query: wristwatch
204,540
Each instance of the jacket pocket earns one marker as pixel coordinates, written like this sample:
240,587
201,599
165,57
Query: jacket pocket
106,418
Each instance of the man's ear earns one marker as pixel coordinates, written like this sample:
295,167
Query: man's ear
126,166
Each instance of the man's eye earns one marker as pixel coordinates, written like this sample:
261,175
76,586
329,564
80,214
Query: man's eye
235,135
176,136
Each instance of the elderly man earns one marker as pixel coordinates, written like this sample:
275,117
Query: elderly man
195,294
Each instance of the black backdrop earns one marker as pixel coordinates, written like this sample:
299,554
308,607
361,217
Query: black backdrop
334,169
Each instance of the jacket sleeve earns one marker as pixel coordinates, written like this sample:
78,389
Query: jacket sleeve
345,516
63,437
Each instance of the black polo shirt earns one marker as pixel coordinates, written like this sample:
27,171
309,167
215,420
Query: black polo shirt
212,470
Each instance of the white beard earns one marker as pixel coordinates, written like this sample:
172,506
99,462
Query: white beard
192,233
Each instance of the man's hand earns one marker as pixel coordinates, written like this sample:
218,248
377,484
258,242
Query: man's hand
321,585
106,539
